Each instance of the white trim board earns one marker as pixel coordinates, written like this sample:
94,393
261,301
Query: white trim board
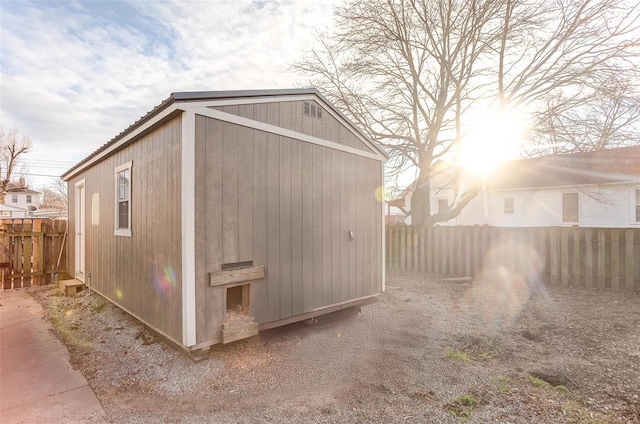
261,126
188,224
196,105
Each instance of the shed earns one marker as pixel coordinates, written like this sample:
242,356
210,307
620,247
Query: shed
219,214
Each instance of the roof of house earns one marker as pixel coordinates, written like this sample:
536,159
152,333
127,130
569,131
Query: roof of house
618,165
22,190
9,207
194,96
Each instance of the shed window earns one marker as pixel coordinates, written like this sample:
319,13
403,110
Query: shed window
28,198
123,200
312,110
14,198
570,211
509,205
637,205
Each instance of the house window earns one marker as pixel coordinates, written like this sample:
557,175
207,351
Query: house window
312,110
28,198
637,205
570,209
509,205
123,200
14,198
443,205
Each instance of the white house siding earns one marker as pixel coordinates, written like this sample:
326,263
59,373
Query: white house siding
611,206
608,207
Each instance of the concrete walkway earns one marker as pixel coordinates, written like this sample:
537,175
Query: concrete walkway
37,382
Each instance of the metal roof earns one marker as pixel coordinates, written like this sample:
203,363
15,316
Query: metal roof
194,96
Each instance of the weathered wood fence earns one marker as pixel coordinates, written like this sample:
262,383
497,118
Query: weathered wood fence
32,251
570,256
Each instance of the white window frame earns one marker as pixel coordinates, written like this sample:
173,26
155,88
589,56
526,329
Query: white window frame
14,198
28,198
513,206
122,232
634,203
562,207
442,199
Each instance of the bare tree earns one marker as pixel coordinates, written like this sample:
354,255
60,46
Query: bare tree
409,71
607,116
54,196
12,146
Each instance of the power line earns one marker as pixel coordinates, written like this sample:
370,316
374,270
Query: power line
57,123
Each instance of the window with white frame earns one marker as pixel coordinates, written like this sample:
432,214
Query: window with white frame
509,205
123,200
28,198
570,208
14,198
443,205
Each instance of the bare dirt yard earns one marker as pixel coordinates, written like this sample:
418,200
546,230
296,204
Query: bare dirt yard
428,351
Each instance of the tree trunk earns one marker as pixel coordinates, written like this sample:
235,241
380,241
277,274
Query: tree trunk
420,205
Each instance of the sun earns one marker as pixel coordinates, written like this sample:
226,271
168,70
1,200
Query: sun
497,137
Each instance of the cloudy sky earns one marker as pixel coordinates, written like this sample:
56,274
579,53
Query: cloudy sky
73,74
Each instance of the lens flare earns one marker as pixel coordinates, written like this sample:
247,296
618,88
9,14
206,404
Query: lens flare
165,280
509,277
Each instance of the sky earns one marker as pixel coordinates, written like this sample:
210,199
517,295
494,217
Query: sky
74,74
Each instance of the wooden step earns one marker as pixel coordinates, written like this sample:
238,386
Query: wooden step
71,287
238,330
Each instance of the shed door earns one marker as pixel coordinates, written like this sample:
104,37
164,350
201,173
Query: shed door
79,230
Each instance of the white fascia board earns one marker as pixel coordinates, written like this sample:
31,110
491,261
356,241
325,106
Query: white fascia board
261,126
188,183
124,140
197,105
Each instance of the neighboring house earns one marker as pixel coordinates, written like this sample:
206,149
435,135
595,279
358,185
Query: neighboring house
24,198
50,213
590,189
19,203
10,211
276,219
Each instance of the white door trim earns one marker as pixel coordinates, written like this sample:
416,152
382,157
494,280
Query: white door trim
79,229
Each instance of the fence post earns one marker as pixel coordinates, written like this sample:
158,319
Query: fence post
615,259
588,257
628,262
602,251
564,256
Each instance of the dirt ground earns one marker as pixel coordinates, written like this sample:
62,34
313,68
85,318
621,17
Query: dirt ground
429,350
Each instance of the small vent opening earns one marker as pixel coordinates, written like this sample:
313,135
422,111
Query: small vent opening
236,265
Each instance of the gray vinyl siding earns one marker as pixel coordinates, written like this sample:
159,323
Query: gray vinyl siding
142,273
288,205
289,115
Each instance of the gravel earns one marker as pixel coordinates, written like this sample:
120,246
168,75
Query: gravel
496,350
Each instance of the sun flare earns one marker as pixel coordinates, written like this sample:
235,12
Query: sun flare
497,138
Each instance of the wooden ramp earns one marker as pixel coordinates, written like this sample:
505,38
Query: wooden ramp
238,329
71,287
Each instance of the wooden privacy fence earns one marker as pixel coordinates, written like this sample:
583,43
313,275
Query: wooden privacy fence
569,256
32,251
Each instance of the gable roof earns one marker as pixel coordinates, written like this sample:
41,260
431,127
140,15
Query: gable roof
9,207
202,96
22,190
620,165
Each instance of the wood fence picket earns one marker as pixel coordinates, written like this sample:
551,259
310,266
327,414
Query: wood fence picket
568,256
32,252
